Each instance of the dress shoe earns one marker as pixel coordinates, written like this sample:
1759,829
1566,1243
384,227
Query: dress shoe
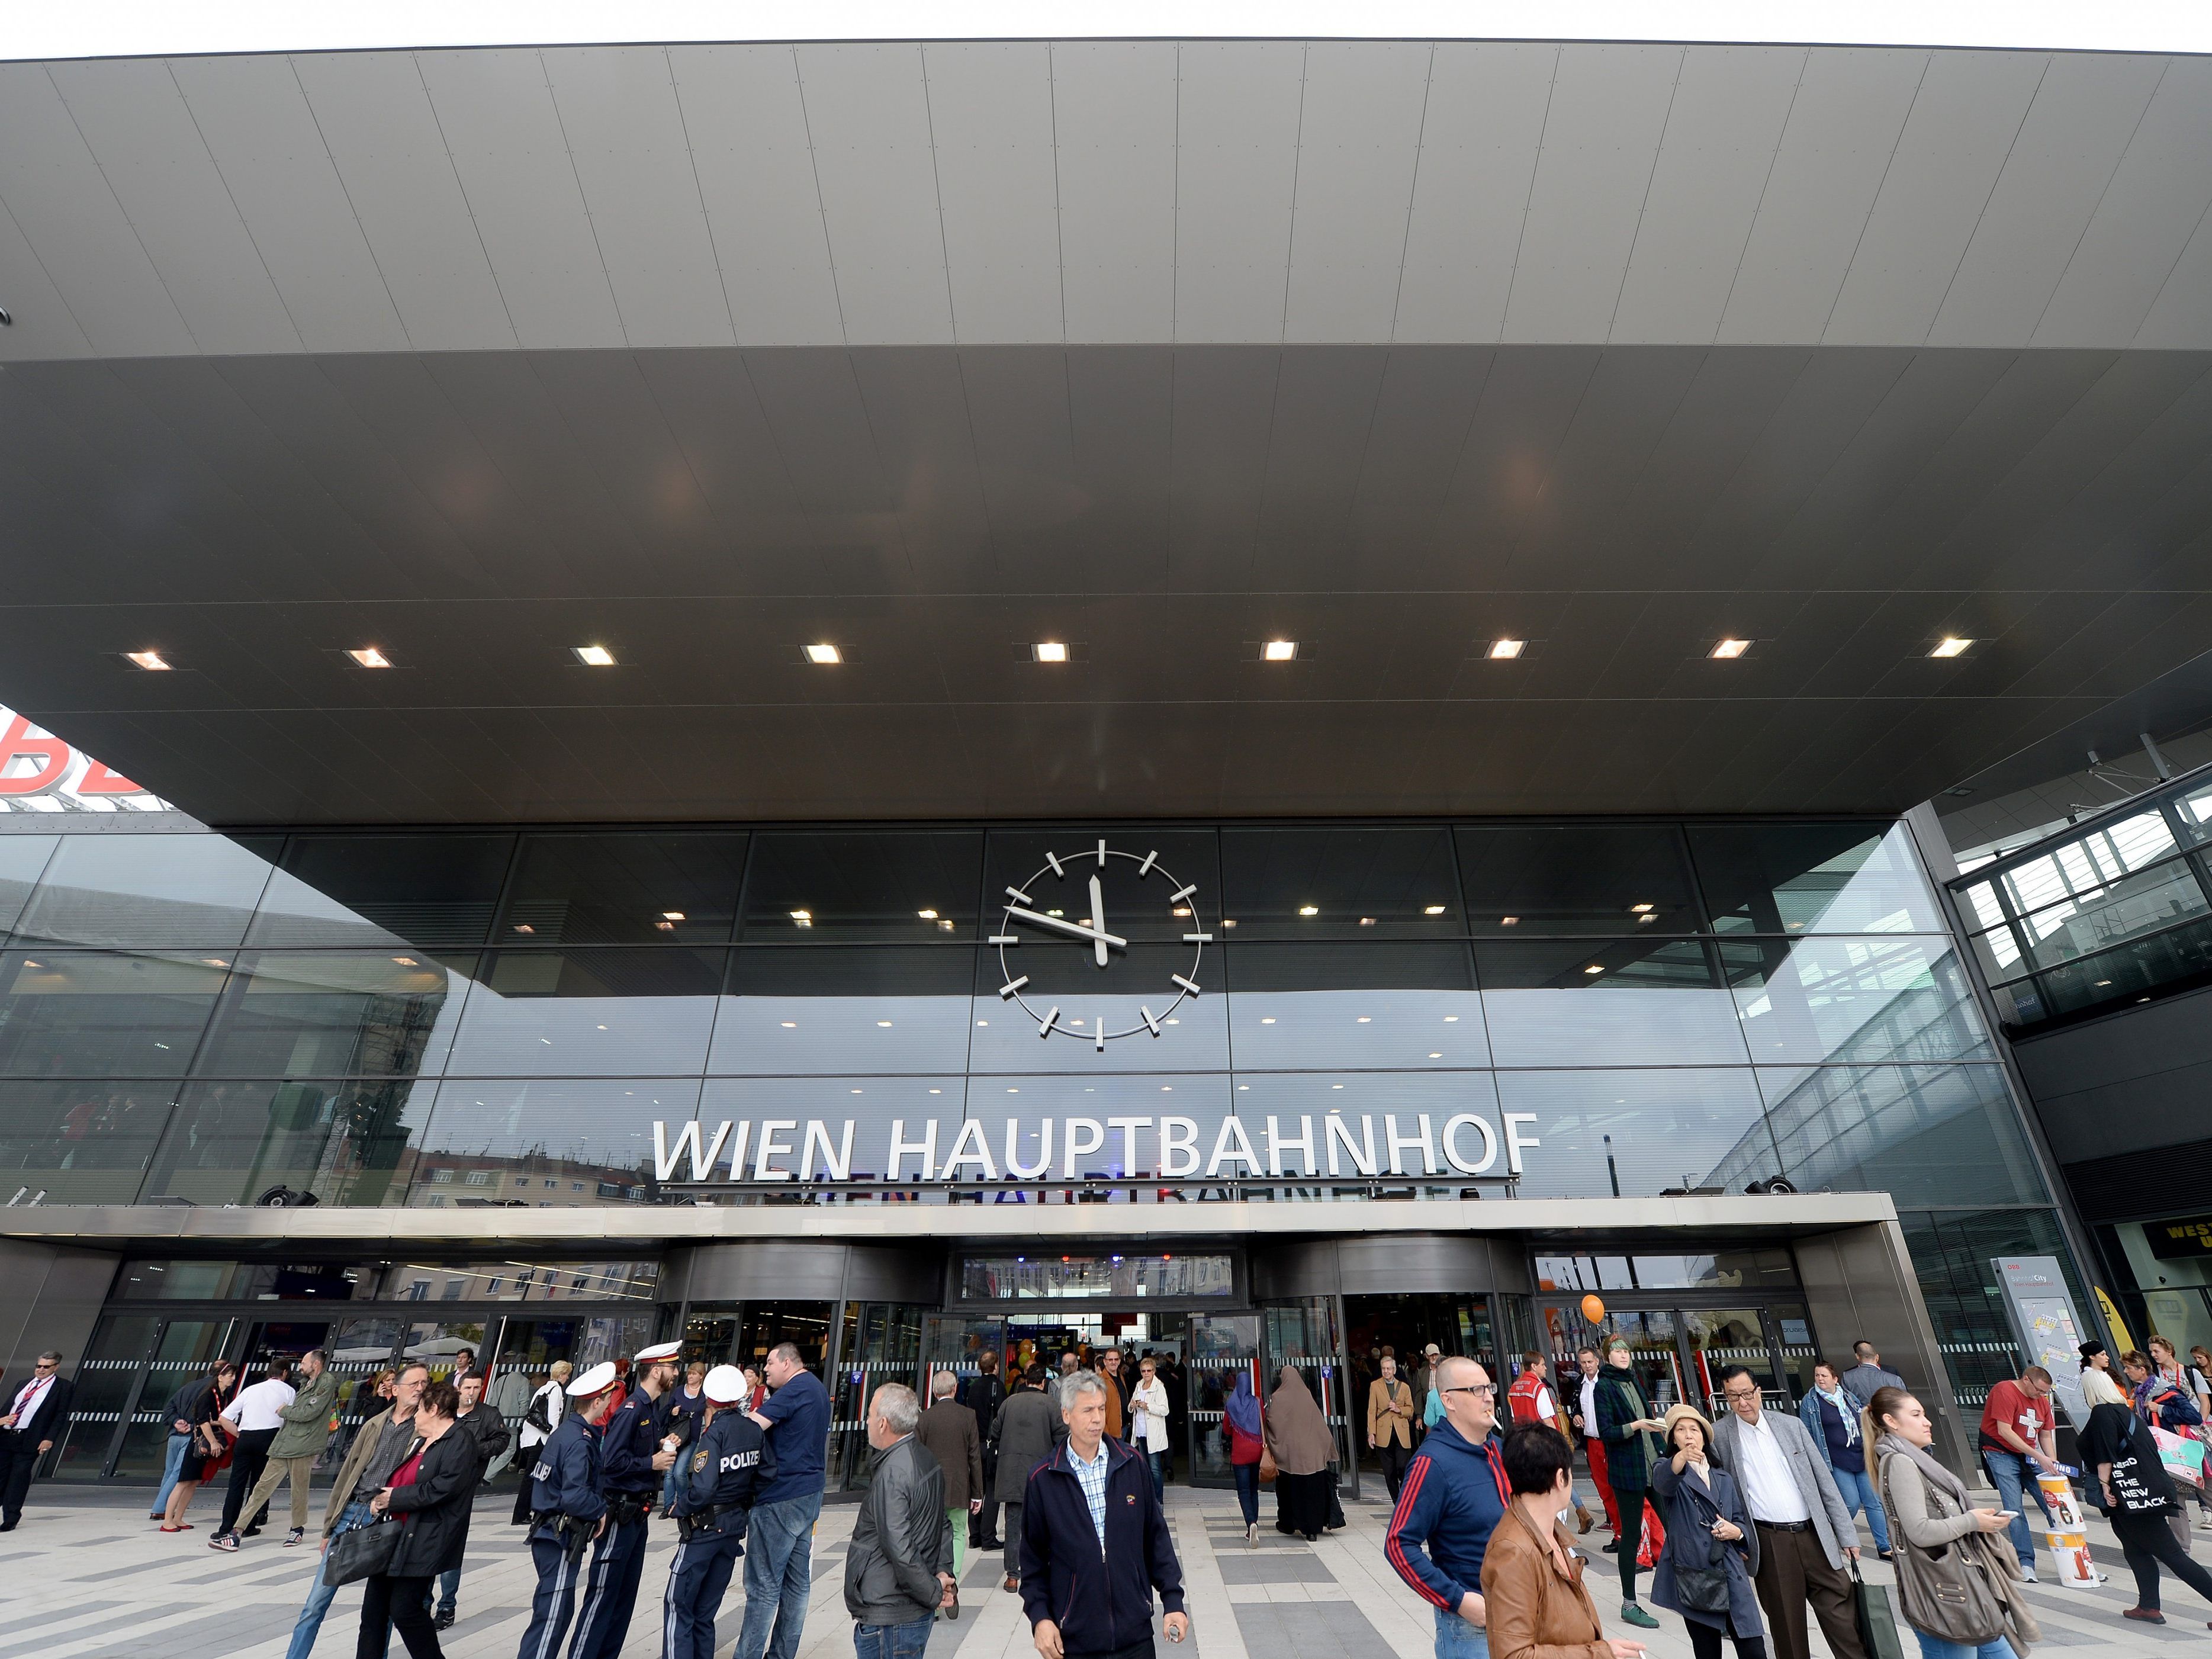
1632,1614
2146,1615
1012,1586
445,1619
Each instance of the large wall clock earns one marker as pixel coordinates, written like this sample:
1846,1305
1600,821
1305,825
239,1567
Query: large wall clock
1096,886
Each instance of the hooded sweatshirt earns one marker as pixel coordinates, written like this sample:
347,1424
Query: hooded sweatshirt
1453,1496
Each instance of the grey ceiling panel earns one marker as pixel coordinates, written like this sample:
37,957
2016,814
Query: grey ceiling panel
991,125
1360,143
1113,104
1236,183
627,142
2183,311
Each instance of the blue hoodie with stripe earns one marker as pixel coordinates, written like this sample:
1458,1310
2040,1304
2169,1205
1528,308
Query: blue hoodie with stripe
1453,1496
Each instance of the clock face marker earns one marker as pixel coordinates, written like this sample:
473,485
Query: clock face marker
1054,862
1044,1025
1019,897
1004,938
1098,1027
1146,868
1148,1019
1012,985
1181,893
1186,984
1198,938
1102,852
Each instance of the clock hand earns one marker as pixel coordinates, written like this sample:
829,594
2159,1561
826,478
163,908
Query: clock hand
1062,925
1098,919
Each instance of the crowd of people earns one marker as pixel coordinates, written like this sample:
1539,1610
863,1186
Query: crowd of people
1744,1521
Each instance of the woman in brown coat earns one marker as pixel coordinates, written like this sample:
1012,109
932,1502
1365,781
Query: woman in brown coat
1298,1439
1535,1605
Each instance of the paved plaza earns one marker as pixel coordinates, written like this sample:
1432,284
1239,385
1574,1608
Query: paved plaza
87,1574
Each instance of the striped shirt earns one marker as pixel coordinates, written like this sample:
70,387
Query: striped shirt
1092,1478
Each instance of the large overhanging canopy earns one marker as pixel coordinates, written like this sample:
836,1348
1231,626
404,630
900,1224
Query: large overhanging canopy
934,350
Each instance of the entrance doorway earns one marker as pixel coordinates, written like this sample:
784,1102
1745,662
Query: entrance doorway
1403,1326
1680,1352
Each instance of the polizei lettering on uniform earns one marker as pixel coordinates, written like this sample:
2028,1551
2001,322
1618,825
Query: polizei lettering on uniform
1332,1145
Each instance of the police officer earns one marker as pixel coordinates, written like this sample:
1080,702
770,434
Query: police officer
714,1499
632,1464
566,1509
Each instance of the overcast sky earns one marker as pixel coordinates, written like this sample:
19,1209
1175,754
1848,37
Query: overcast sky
122,27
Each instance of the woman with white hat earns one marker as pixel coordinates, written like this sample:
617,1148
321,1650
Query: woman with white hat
1704,1570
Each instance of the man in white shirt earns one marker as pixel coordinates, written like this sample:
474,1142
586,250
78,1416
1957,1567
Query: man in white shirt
1583,1416
1805,1531
255,1415
36,1413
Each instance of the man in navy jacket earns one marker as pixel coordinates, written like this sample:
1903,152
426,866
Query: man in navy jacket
1095,1543
567,1509
1454,1493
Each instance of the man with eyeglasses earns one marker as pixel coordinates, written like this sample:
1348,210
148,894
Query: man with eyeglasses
1454,1494
1805,1531
33,1422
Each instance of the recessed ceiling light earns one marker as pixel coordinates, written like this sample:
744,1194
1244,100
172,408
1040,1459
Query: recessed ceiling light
524,928
1593,969
802,918
1279,650
1049,651
1365,1019
1367,921
1508,922
1434,1054
1723,650
825,654
1642,919
369,657
595,656
406,962
1432,909
154,661
789,1024
1639,909
1267,1019
666,926
1229,922
1309,910
1950,646
927,915
1506,650
945,924
671,915
1450,1019
883,1022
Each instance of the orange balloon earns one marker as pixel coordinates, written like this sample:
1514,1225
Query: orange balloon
1593,1309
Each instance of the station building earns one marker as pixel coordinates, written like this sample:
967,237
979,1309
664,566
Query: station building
1257,698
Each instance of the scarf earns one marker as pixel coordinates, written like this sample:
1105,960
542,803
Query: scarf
1837,1398
1892,1445
1243,1407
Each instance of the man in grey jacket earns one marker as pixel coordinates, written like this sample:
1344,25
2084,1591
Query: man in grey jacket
898,1567
1805,1531
1024,1431
1869,1374
303,1429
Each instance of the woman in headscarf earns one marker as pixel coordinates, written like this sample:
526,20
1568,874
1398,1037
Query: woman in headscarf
2140,1500
1246,1437
1298,1439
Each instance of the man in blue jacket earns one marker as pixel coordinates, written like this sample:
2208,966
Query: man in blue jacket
1453,1492
718,1475
632,1465
566,1509
1095,1543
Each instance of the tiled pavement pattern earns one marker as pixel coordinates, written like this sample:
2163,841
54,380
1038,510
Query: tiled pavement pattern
86,1575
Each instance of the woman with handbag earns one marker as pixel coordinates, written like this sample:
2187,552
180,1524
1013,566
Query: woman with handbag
539,1418
426,1504
1960,1588
2141,1503
1704,1569
1247,1430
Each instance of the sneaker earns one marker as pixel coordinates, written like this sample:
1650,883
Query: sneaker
2146,1615
1252,1534
1632,1614
2027,1575
293,1536
225,1541
444,1620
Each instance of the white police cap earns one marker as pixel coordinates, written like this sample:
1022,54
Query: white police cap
598,1380
659,1352
726,1385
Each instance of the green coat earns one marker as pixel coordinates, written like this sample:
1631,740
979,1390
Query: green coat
1620,1402
306,1428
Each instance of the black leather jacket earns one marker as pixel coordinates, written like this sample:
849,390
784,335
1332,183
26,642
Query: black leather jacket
901,1541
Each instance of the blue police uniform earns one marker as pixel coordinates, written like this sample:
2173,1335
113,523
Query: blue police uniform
722,1469
629,1483
564,1483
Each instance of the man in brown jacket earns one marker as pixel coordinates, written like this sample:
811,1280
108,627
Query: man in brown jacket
1117,1396
947,1432
1390,1415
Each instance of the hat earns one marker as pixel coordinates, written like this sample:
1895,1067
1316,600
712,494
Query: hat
1675,1414
2090,1350
658,1351
726,1385
1433,1349
598,1380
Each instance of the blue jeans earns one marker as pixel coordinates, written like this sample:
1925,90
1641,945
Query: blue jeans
1248,1491
169,1471
1158,1462
320,1596
449,1590
1457,1639
891,1641
2014,1475
778,1571
1858,1492
1933,1647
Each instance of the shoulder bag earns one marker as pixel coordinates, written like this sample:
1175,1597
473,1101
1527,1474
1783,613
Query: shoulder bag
362,1552
540,1414
1701,1589
1944,1593
1268,1469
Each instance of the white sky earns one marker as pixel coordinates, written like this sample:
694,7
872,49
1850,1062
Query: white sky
124,28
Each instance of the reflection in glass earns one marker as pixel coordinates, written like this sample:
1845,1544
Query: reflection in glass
1577,878
151,891
1723,1337
884,1009
434,892
334,1014
786,1127
1881,997
1918,1132
1618,1002
1174,1127
1339,883
1352,1006
631,887
556,1143
521,1281
21,858
1726,1270
1065,982
1813,878
882,888
234,1143
77,1013
589,1013
80,1142
1441,1125
1123,1278
1635,1133
1951,1252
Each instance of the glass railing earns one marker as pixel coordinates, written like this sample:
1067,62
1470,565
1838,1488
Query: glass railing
2113,910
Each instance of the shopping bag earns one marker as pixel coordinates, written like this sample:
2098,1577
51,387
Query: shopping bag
1655,1538
2182,1458
1877,1624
